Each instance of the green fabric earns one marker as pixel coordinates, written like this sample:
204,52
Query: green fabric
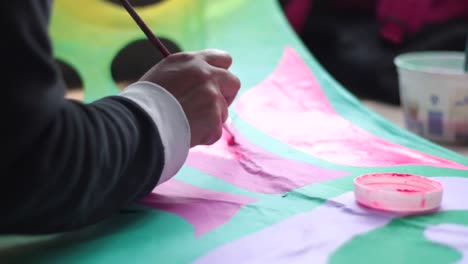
256,34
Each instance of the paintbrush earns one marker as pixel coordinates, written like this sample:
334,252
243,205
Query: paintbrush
149,34
160,46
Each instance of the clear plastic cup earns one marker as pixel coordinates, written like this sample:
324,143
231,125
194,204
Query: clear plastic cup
434,95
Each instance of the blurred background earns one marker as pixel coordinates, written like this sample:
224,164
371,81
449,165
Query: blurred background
357,40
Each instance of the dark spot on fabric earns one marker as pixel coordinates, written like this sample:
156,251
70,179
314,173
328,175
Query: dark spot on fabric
137,3
70,75
136,58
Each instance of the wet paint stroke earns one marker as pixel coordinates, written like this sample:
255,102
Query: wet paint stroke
291,106
255,169
452,235
204,209
316,235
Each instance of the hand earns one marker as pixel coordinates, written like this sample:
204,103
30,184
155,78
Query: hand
202,84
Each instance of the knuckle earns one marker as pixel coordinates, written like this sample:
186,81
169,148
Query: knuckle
203,73
212,94
228,57
214,128
223,55
181,56
221,52
236,82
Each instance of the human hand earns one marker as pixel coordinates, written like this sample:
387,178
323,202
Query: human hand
204,87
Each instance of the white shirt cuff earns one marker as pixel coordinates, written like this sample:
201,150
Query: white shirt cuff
169,118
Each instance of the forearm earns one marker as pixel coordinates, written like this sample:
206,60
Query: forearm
92,160
66,164
89,162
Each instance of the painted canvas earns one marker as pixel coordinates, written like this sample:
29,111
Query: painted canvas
284,193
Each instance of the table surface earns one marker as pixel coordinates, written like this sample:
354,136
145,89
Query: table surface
11,245
395,114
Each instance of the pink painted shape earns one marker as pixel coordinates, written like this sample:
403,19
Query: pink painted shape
204,209
248,166
291,106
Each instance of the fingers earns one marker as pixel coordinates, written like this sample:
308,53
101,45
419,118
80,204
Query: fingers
228,84
223,109
215,114
205,88
219,105
216,58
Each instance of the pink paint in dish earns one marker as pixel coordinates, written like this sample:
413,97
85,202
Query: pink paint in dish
405,193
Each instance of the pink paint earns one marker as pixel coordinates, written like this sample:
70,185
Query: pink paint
398,192
204,209
291,106
423,203
407,190
393,175
231,140
253,168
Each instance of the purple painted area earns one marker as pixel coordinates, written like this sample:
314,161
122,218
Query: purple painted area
305,238
291,106
454,197
312,237
204,209
253,168
451,235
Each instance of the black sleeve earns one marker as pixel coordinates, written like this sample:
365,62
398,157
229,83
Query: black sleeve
64,164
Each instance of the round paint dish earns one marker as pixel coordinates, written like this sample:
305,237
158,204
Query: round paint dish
403,193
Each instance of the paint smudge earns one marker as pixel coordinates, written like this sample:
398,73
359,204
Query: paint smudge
423,203
252,168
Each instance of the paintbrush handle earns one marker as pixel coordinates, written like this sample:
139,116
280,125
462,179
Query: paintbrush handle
149,34
158,44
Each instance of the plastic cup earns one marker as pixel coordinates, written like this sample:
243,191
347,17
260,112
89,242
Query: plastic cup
434,94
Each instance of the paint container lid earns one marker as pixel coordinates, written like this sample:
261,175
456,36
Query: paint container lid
402,193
